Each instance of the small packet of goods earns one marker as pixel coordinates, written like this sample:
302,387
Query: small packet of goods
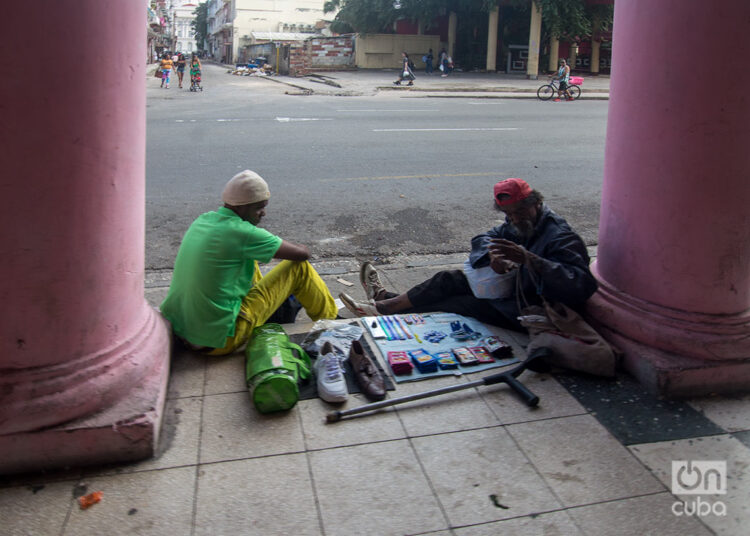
497,347
400,362
445,360
464,356
482,355
424,361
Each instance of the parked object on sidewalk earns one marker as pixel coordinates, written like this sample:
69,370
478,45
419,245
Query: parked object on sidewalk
274,366
573,343
340,333
400,362
509,377
365,372
330,375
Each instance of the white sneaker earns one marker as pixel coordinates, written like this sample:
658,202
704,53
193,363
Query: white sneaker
358,308
330,375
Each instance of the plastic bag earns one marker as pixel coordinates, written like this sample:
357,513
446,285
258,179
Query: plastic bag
339,333
274,366
487,284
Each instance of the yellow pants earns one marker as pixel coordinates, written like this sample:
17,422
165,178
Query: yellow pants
269,292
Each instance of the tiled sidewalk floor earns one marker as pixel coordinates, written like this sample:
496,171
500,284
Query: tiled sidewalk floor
594,458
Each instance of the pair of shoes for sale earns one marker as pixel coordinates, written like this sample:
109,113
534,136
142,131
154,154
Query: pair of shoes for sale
330,374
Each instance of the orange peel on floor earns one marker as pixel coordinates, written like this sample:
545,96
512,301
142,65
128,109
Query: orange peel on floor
85,501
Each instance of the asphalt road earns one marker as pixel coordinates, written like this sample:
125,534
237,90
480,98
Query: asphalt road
364,177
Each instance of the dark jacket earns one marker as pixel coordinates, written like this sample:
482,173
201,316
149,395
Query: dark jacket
565,276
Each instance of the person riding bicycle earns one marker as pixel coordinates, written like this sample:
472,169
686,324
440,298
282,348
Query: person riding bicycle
563,75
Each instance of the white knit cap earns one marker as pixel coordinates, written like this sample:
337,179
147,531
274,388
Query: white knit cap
245,188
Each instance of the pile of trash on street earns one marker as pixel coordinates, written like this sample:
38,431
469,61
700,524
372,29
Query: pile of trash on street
256,67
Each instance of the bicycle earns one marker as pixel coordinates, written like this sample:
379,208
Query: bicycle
547,91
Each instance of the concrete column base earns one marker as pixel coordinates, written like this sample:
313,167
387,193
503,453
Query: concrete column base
126,431
711,337
676,376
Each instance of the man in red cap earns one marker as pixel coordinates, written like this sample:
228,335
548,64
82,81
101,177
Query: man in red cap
534,245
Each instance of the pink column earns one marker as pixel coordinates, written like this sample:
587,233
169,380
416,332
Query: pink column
674,237
83,358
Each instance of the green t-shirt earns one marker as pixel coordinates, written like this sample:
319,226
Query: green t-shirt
212,273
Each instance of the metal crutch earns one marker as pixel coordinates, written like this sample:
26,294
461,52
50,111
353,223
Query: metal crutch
533,362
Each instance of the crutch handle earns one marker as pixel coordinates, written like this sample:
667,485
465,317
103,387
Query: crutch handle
521,390
508,377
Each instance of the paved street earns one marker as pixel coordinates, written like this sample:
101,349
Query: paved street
389,173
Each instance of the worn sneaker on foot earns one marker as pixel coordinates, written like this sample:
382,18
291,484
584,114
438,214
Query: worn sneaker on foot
555,100
358,308
368,277
330,375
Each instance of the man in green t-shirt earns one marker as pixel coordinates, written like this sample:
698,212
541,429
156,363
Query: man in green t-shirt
217,295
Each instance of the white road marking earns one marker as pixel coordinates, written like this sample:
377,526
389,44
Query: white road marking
425,176
389,110
293,119
439,129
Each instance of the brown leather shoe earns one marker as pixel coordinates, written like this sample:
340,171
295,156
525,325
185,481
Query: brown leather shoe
366,373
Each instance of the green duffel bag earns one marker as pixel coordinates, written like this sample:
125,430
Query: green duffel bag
273,367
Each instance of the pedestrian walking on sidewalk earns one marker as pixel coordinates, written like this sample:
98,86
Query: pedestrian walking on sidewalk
217,295
195,73
427,59
166,70
180,67
407,72
445,62
563,75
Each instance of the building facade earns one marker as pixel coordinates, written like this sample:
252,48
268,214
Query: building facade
183,37
231,23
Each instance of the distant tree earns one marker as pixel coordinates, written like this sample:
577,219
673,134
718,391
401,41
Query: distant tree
200,24
601,16
365,16
378,16
571,20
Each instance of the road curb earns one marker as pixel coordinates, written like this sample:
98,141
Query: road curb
528,97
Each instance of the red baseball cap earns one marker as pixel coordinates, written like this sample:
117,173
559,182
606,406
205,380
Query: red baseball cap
511,191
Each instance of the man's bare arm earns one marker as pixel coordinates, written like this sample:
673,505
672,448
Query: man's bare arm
292,252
